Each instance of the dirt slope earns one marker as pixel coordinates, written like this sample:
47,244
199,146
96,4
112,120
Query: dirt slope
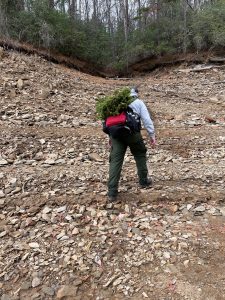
60,239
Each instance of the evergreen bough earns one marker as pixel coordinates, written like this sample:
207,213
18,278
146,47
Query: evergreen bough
114,104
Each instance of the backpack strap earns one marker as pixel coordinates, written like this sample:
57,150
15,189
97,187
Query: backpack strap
133,120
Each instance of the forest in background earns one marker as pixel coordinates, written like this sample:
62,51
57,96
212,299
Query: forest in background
115,33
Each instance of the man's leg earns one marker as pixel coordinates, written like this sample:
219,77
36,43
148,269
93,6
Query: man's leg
138,149
118,150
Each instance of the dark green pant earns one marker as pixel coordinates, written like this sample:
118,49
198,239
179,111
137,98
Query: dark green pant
118,150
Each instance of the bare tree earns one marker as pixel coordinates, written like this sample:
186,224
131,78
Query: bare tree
3,22
51,4
126,19
139,14
185,6
63,6
86,10
95,9
72,8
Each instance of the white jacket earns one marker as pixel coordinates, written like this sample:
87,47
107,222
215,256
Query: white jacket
140,108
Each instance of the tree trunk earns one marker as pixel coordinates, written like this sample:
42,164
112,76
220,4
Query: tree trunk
63,6
126,19
139,14
185,26
3,22
108,14
87,9
126,28
95,9
51,4
73,9
80,10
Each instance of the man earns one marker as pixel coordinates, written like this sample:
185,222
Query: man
135,142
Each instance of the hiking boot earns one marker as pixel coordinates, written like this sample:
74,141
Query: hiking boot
112,199
146,184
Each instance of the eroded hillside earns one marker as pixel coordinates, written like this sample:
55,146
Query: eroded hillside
60,239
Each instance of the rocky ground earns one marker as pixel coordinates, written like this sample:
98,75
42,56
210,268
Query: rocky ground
59,238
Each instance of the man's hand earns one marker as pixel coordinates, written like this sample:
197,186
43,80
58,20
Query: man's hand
110,143
153,142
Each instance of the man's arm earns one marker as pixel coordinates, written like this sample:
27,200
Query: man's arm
148,124
146,119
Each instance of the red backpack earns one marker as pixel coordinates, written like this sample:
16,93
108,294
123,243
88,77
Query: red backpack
123,124
116,120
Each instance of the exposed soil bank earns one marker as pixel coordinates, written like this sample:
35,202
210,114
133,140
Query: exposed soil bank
147,64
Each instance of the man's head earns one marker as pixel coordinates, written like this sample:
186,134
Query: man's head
134,92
